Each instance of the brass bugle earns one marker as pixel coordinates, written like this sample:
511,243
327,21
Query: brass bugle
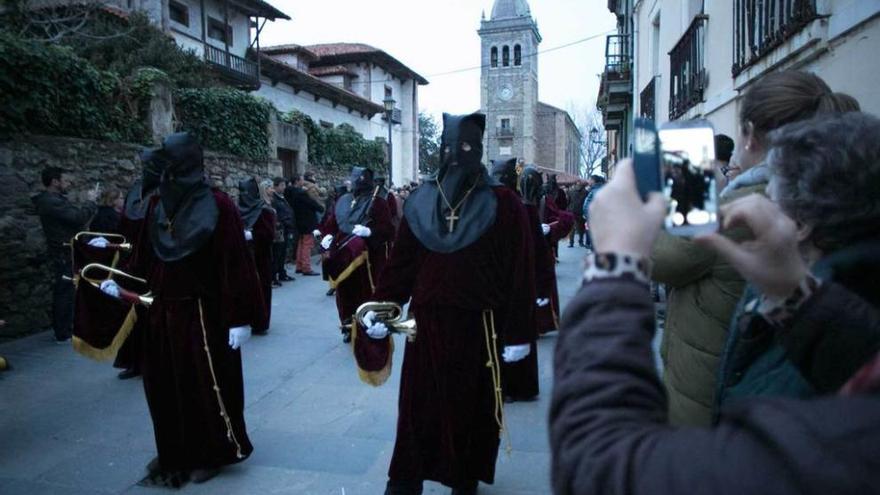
391,314
121,242
145,299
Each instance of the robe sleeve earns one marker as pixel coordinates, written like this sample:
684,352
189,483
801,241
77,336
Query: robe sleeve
561,226
264,228
399,275
329,225
517,315
240,292
380,225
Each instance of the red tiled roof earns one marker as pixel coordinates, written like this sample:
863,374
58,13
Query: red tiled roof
289,48
342,53
331,70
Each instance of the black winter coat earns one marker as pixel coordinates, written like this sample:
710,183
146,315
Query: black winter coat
305,210
61,220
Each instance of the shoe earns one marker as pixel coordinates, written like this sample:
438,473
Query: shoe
298,270
571,245
466,490
399,487
276,283
63,340
203,475
128,373
311,274
262,331
331,292
285,278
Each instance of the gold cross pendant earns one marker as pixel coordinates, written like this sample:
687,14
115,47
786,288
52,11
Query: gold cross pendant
452,218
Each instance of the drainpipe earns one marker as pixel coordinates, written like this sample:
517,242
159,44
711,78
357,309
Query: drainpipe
635,70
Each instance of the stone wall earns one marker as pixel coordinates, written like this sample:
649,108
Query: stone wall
25,276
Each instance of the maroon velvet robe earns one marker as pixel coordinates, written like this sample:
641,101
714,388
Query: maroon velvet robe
261,246
561,222
197,300
128,356
446,427
356,289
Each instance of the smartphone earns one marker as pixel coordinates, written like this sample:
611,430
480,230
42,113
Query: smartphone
687,154
646,157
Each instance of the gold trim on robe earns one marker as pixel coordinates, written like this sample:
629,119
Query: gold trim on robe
109,352
374,378
355,264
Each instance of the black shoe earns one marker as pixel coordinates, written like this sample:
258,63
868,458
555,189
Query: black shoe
157,477
62,340
571,245
203,475
298,270
128,373
466,490
398,487
276,283
285,278
311,274
331,292
262,331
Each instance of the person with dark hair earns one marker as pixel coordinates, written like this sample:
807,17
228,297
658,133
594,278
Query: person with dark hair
703,288
824,174
61,220
285,220
207,295
354,238
109,212
609,428
596,184
259,232
306,209
463,255
723,153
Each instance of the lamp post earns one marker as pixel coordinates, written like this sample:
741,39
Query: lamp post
594,139
389,112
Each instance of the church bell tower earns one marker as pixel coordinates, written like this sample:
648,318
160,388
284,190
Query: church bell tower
509,81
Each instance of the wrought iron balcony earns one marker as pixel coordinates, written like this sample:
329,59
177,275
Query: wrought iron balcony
762,25
242,72
395,116
618,54
687,69
504,132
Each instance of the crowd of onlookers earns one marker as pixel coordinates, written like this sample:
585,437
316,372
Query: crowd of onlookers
771,343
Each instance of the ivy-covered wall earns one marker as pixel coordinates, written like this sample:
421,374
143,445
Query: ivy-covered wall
226,120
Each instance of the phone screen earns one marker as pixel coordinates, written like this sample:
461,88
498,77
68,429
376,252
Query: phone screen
646,158
688,154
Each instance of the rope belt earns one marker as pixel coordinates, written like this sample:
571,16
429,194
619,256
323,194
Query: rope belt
494,364
230,435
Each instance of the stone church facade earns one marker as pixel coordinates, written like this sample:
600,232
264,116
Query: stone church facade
517,124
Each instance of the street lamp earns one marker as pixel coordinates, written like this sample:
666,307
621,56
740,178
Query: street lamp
389,112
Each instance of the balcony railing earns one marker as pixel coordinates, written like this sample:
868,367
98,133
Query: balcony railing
242,70
618,57
504,132
647,103
762,25
688,70
395,116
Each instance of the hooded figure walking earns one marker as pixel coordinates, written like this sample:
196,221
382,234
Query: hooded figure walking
206,295
463,259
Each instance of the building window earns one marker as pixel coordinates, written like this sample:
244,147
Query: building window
178,13
760,27
517,55
505,56
687,69
494,56
505,124
388,92
217,32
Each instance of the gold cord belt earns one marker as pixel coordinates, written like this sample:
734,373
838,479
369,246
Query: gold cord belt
230,435
494,364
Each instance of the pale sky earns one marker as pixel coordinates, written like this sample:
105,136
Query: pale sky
437,36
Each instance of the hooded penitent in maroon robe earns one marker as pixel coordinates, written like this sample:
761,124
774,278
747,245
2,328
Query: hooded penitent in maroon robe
353,264
561,223
204,282
470,286
264,235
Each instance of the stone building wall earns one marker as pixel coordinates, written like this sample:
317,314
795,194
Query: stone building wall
25,275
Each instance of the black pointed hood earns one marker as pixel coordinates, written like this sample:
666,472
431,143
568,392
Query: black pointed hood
137,201
462,183
531,186
353,208
505,173
187,212
250,202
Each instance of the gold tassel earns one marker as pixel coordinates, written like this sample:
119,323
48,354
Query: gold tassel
109,352
374,378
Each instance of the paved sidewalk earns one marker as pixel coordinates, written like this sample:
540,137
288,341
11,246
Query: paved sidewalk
69,426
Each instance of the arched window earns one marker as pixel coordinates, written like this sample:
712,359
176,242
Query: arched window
517,55
494,56
505,56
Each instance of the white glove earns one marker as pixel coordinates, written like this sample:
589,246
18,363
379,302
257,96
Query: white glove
514,353
238,336
545,228
361,231
110,287
326,241
376,330
316,233
248,235
99,242
542,302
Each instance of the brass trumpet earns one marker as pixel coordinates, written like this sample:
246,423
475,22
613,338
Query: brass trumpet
391,314
145,299
122,243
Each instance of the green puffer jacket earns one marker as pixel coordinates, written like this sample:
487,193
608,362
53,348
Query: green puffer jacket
703,292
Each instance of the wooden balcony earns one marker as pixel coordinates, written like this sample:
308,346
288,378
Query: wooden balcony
237,70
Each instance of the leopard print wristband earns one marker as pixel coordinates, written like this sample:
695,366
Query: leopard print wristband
617,265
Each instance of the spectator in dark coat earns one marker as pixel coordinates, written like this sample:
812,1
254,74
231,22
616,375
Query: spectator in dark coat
305,210
576,195
609,430
107,217
284,217
61,221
